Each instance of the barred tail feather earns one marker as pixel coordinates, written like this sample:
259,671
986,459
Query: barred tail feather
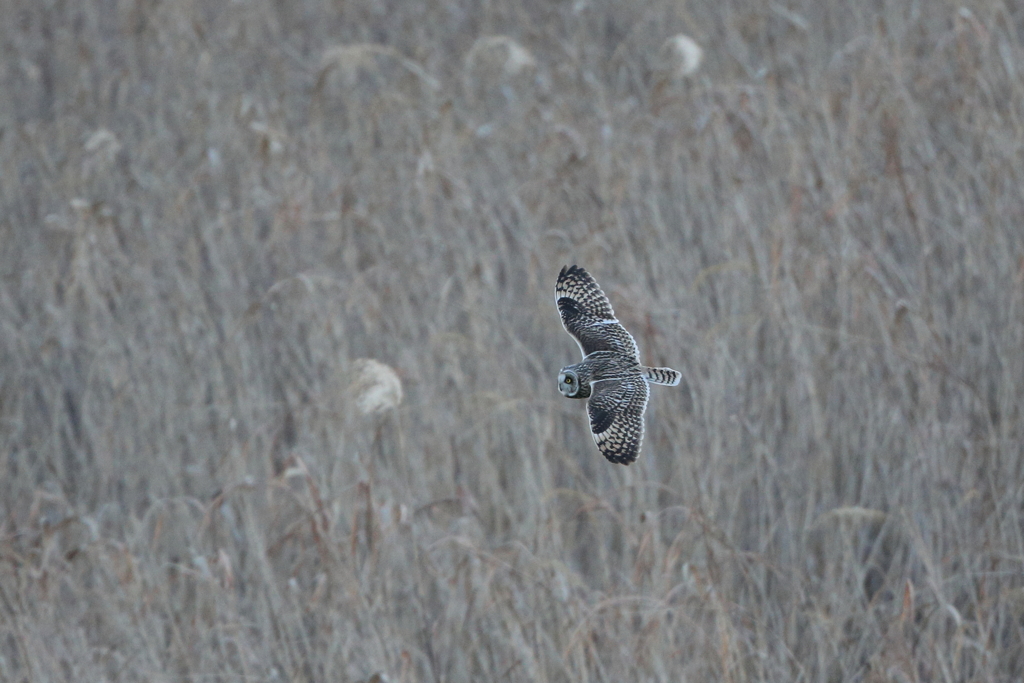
666,376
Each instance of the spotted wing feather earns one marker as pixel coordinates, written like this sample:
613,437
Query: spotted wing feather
616,408
588,316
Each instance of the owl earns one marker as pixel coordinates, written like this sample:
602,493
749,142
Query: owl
610,375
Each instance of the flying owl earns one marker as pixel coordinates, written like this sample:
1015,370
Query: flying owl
610,374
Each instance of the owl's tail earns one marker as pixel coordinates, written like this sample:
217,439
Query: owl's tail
666,376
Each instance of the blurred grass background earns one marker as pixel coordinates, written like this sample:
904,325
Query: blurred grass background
211,213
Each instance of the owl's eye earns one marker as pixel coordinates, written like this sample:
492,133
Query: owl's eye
568,380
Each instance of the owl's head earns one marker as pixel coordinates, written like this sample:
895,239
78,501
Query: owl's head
570,386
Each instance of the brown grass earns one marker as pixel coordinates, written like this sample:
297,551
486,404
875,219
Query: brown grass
211,211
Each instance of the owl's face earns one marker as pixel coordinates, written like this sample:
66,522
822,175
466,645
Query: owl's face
570,386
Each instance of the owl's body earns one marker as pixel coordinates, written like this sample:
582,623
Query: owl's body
610,375
600,366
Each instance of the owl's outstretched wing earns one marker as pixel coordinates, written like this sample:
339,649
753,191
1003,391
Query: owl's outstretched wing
587,315
616,408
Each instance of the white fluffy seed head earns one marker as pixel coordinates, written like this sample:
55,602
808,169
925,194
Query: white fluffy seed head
102,140
682,54
512,57
519,58
100,150
375,387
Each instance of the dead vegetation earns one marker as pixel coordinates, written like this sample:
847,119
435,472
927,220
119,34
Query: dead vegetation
278,347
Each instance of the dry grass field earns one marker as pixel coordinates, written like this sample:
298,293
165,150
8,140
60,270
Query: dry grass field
278,346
